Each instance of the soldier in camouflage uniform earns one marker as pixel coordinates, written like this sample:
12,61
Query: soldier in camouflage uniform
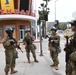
10,51
71,66
28,41
54,41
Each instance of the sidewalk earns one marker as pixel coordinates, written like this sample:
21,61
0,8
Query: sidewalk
61,57
41,68
24,68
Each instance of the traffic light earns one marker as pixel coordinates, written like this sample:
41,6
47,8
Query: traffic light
56,23
46,17
38,21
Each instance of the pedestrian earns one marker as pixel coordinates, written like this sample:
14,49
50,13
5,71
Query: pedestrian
54,43
10,51
28,41
71,64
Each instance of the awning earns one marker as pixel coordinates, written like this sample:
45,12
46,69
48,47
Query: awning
17,17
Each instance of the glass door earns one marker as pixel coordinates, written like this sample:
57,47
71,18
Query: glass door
22,31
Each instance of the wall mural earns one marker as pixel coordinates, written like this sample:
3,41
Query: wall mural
7,2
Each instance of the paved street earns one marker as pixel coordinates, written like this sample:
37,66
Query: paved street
41,68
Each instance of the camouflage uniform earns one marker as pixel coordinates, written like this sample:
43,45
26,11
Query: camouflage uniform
10,54
52,48
28,39
71,65
10,51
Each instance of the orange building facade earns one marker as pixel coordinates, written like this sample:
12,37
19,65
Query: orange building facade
17,14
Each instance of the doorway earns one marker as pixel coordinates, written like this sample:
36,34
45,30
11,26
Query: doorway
22,31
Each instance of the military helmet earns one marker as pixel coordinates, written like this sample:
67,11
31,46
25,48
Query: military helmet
9,30
28,30
54,28
73,23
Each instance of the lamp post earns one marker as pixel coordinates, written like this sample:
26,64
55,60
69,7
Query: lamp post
55,8
46,4
41,51
41,21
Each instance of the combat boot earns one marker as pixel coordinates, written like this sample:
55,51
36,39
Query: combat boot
56,67
36,60
53,65
13,71
29,61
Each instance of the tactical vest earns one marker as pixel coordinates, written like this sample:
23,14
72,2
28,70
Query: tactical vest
73,42
54,37
28,39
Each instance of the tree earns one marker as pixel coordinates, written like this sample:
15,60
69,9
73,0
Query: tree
62,26
43,15
42,11
46,3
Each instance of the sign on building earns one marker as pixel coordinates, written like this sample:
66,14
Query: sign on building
7,5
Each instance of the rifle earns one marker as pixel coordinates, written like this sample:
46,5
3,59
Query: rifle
67,53
9,31
15,42
67,50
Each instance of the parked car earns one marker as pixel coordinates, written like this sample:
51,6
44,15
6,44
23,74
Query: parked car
68,32
48,35
59,31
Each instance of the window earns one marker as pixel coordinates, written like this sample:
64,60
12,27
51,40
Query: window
16,4
24,5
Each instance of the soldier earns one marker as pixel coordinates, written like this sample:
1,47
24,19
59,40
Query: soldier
71,66
54,42
28,41
10,51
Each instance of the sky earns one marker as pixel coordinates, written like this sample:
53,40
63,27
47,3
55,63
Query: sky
64,10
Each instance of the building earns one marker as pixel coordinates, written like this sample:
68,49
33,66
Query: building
18,14
49,25
74,15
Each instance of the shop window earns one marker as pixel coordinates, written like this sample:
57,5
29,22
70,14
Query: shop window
22,31
24,5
